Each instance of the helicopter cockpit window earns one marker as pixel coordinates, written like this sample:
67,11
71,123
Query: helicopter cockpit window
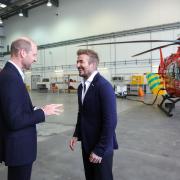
177,72
171,71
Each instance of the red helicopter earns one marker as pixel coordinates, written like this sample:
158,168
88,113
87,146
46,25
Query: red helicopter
169,70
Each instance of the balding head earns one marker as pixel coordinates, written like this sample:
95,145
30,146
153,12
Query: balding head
23,52
21,43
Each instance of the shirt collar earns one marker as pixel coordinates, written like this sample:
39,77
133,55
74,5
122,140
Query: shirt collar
90,79
19,69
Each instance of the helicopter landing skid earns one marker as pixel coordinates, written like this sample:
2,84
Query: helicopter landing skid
168,106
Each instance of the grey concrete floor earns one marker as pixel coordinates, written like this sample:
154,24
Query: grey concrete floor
149,142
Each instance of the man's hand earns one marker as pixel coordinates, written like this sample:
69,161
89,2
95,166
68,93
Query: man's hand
73,142
53,109
93,158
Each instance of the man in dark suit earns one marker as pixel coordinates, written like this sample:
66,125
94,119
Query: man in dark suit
18,117
97,119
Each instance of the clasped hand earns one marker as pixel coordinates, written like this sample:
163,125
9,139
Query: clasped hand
93,158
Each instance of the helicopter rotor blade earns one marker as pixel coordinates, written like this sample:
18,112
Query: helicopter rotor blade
153,49
126,42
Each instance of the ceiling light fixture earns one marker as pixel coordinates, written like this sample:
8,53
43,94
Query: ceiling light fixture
1,21
3,5
21,13
49,4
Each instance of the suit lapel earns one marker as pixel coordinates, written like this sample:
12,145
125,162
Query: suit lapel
91,87
80,93
11,68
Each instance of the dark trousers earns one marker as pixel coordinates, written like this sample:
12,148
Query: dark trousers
19,172
102,171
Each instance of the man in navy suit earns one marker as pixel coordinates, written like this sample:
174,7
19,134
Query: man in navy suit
18,117
97,119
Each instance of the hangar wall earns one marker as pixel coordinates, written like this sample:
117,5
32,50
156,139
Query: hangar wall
83,18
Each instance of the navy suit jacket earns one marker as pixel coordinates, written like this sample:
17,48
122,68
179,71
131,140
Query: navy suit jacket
18,136
97,117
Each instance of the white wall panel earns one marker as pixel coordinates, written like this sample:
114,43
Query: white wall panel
82,18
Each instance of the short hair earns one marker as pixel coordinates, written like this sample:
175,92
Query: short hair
93,56
20,44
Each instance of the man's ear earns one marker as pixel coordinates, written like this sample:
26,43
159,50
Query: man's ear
22,53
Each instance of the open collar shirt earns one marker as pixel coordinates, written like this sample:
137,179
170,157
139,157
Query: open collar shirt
86,84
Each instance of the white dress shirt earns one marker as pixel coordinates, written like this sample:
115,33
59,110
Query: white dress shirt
87,83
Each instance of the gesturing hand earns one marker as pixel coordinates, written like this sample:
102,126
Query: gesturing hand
53,109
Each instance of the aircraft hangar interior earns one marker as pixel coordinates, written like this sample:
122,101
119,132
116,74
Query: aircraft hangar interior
138,44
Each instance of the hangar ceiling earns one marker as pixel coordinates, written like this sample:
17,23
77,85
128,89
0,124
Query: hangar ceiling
13,7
